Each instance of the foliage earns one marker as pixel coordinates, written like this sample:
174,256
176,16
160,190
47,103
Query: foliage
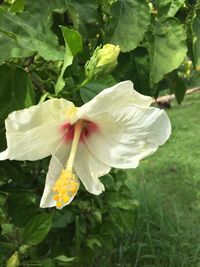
44,48
78,234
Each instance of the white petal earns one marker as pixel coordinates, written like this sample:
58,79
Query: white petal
58,160
34,133
121,94
4,155
128,135
89,169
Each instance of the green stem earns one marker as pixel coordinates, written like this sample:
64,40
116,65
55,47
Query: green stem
79,86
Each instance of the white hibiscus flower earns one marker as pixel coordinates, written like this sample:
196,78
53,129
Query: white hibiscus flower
116,129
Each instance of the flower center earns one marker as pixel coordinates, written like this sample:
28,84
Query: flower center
88,129
67,184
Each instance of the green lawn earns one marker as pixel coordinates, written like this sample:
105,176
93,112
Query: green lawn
167,185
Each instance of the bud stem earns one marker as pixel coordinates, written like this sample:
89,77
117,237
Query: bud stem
79,86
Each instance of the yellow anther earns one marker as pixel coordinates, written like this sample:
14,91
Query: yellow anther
58,204
65,187
65,198
73,190
56,197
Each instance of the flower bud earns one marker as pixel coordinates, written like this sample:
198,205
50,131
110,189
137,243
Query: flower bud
13,261
23,249
103,61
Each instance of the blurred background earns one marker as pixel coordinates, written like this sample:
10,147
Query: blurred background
147,217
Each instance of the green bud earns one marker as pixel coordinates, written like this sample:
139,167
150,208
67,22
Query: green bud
23,249
103,61
13,261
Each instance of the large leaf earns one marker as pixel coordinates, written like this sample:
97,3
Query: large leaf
37,228
167,47
45,8
16,90
139,70
83,15
73,45
29,32
128,23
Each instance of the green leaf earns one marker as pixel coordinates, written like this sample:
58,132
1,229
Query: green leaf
93,242
90,90
167,48
21,207
196,38
137,69
18,6
10,47
140,71
128,23
73,45
162,6
63,219
174,7
45,8
64,258
48,262
178,86
37,228
7,229
168,7
24,34
3,198
16,89
116,201
87,11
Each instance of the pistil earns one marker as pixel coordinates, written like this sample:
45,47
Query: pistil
77,134
67,184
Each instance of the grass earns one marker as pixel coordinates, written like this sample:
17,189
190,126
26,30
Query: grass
167,185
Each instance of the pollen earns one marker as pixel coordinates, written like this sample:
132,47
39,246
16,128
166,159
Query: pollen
65,188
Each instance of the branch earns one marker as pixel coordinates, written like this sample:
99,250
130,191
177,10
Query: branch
167,98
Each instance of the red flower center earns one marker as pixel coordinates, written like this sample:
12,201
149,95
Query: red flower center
89,128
